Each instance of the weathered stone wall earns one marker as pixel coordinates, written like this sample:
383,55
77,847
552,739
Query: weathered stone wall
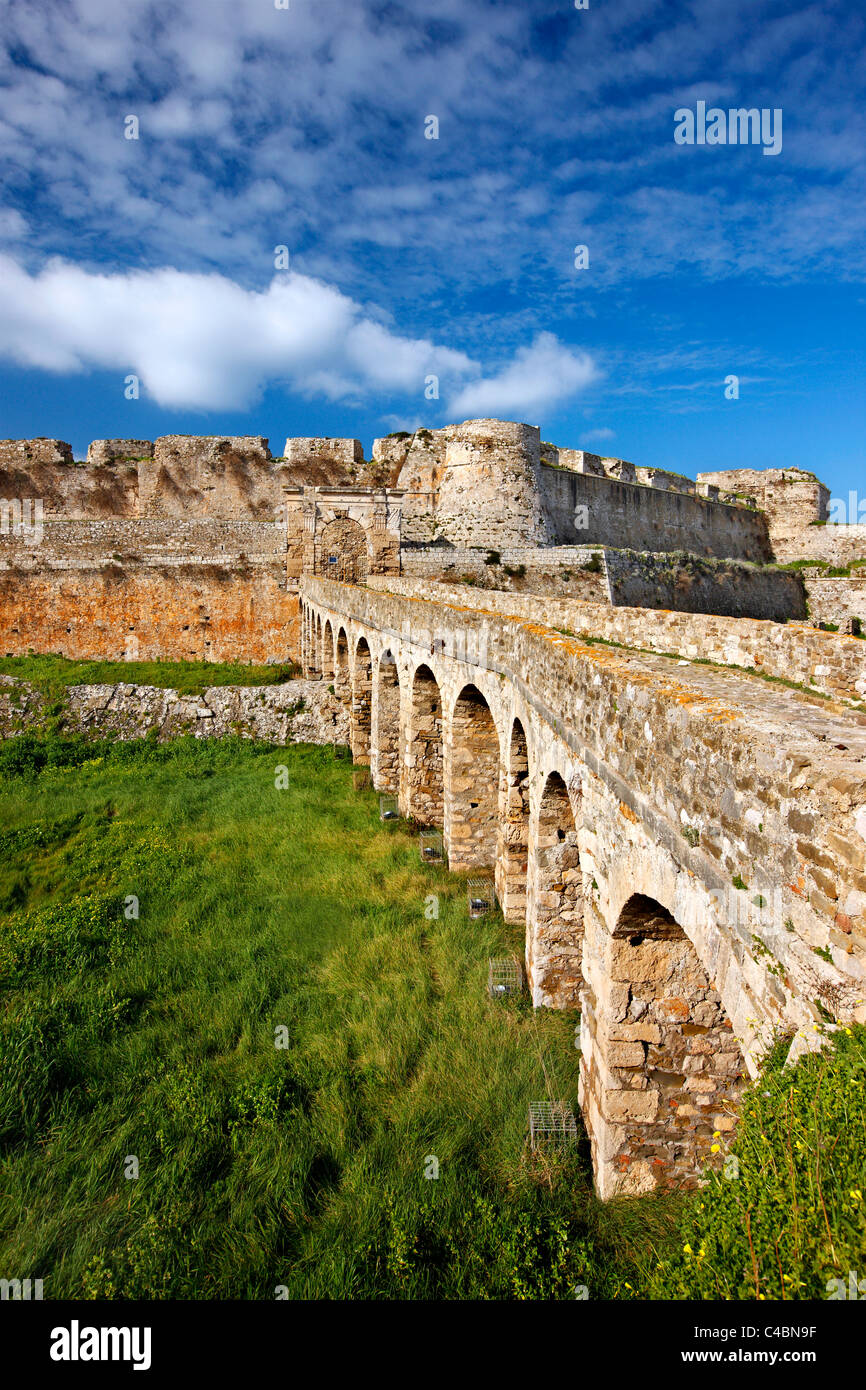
560,570
72,490
835,545
791,498
298,711
836,600
826,661
75,544
108,451
179,611
625,515
219,477
489,493
696,585
16,453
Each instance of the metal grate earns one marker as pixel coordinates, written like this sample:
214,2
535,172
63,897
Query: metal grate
388,809
504,976
431,847
552,1122
481,895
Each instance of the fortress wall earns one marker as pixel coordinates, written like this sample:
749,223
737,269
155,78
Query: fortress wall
831,663
694,585
180,611
88,543
792,498
835,545
837,600
558,570
222,477
626,515
72,490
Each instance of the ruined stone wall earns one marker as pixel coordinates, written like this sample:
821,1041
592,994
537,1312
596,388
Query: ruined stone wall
74,544
560,570
72,490
832,544
695,585
826,661
414,463
222,477
297,711
179,611
627,516
837,600
791,498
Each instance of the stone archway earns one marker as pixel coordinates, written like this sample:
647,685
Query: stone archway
385,757
362,702
327,652
661,1070
511,860
472,799
342,674
421,788
341,551
554,923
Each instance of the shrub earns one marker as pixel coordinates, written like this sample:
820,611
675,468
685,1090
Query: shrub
790,1217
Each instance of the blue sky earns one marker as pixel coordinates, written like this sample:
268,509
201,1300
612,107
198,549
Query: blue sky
454,257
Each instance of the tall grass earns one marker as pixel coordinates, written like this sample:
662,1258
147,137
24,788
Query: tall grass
52,674
148,1043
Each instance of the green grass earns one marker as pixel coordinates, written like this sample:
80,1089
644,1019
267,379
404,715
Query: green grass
52,674
153,1037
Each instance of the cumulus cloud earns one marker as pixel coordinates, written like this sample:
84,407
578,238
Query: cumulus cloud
541,376
204,342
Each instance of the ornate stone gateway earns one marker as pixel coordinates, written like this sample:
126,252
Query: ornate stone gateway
344,534
341,551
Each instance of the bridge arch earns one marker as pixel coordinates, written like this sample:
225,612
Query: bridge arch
421,779
362,701
385,728
472,782
661,1069
328,651
514,807
554,926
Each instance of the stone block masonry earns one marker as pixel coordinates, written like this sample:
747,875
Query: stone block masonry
692,584
625,515
179,612
297,711
825,661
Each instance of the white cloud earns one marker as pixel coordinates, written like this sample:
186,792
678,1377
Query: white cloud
204,342
597,436
540,378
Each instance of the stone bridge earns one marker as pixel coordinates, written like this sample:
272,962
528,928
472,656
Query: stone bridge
686,845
